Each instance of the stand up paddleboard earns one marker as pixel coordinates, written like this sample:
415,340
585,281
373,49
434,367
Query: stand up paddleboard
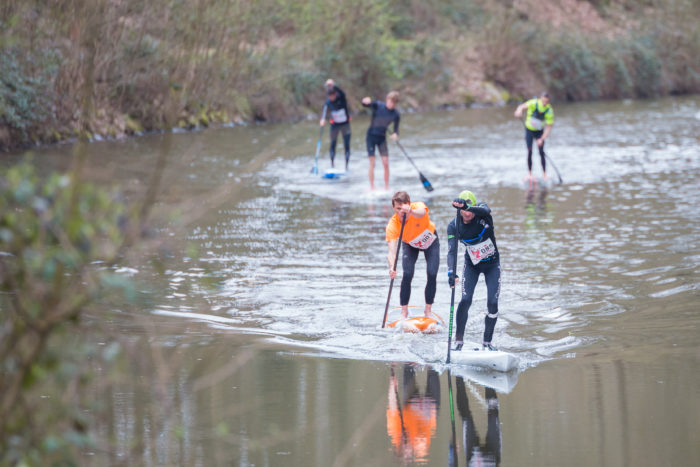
418,324
335,174
472,355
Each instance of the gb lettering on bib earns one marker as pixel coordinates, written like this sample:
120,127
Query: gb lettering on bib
481,251
423,240
339,116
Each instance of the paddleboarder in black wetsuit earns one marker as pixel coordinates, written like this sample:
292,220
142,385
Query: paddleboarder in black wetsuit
337,107
474,228
383,114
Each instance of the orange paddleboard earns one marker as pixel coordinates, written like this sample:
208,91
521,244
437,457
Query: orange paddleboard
418,324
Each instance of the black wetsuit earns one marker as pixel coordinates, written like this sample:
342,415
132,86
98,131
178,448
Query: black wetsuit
382,117
478,235
339,117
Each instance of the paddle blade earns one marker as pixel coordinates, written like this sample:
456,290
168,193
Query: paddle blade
425,182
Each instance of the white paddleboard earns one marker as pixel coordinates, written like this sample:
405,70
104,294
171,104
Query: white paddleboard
472,355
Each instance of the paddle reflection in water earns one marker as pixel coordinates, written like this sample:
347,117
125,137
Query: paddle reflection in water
411,416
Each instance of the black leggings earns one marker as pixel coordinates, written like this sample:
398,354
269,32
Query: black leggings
408,263
470,275
529,137
343,128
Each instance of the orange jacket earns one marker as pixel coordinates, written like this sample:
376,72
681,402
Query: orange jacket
419,232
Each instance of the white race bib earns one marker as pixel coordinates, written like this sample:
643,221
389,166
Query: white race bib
536,123
339,116
481,251
424,240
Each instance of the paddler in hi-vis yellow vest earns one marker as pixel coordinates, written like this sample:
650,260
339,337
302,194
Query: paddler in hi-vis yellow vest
539,120
419,235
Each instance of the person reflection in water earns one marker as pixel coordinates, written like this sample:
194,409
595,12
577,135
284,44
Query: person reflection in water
536,198
477,453
411,419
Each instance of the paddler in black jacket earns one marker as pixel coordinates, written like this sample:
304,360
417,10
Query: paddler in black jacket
473,227
383,114
336,105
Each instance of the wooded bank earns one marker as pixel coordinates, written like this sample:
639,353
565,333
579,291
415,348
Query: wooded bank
172,63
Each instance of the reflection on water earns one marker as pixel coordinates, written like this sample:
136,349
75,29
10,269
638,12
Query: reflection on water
413,409
598,273
535,203
411,415
477,451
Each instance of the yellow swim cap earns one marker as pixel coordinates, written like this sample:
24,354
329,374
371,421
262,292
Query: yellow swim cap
468,196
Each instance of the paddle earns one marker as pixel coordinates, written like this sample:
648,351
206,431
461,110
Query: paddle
452,300
314,169
555,167
396,260
423,180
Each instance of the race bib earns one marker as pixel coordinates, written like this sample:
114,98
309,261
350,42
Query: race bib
481,251
536,123
424,240
339,116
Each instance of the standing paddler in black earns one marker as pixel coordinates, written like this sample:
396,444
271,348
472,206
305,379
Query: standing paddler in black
383,114
474,228
337,106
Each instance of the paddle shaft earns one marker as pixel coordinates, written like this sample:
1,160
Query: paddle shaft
423,180
452,300
396,260
314,170
555,168
449,335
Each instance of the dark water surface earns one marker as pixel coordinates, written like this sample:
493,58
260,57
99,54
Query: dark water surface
271,335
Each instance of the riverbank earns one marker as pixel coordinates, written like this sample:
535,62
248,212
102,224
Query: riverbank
107,70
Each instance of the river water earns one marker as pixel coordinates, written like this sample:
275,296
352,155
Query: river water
260,341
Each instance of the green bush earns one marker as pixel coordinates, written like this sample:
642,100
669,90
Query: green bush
57,239
25,96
